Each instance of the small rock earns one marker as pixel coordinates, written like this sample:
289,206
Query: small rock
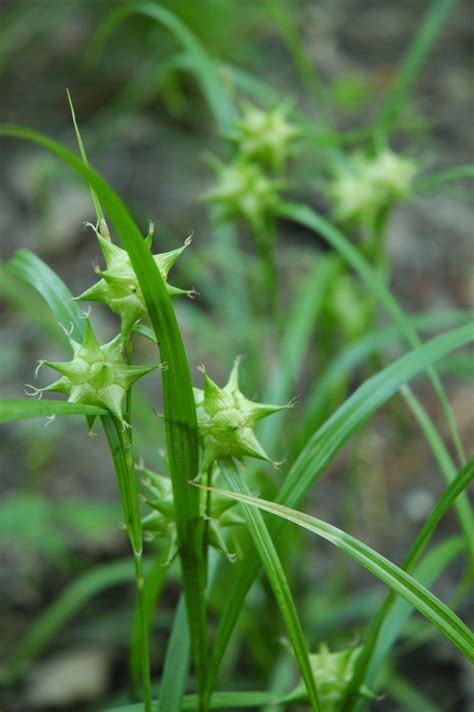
74,676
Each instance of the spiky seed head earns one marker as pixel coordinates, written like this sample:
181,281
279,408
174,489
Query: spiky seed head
267,136
161,522
226,419
244,191
364,185
118,285
96,375
332,673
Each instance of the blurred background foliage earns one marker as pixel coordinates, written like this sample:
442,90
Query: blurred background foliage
149,124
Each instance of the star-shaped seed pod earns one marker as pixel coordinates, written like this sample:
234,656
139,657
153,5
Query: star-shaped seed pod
118,286
226,419
265,135
333,672
161,522
364,185
244,191
96,375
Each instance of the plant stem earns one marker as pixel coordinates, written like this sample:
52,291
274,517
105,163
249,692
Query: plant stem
265,238
205,538
120,443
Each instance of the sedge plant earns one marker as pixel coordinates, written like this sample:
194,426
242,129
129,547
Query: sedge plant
201,504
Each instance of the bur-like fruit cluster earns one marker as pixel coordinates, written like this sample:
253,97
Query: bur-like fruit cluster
243,190
363,185
226,419
266,136
118,285
96,375
249,186
161,522
333,672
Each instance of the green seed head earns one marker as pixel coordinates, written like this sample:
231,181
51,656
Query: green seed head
96,375
333,672
265,136
161,522
118,286
244,191
226,420
365,185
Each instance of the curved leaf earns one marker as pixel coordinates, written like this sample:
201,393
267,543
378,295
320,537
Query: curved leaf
202,64
398,580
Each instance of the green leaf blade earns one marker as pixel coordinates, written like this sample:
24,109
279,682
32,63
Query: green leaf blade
12,410
398,580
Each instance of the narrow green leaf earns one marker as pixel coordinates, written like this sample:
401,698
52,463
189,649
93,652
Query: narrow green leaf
11,410
321,450
179,407
368,398
308,217
429,569
97,206
202,64
31,269
417,595
434,180
29,301
276,576
176,667
347,360
436,16
222,701
457,486
446,465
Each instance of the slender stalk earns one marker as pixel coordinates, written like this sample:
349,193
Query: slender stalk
207,516
120,443
264,235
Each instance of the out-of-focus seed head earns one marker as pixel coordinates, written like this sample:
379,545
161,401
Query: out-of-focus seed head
364,185
267,136
243,191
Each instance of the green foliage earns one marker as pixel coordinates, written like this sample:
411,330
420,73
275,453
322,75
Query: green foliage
306,321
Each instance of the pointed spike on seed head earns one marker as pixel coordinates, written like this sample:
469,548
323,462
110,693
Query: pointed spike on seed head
233,382
96,293
129,374
165,260
149,236
250,446
109,250
215,398
70,369
89,342
257,411
112,397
